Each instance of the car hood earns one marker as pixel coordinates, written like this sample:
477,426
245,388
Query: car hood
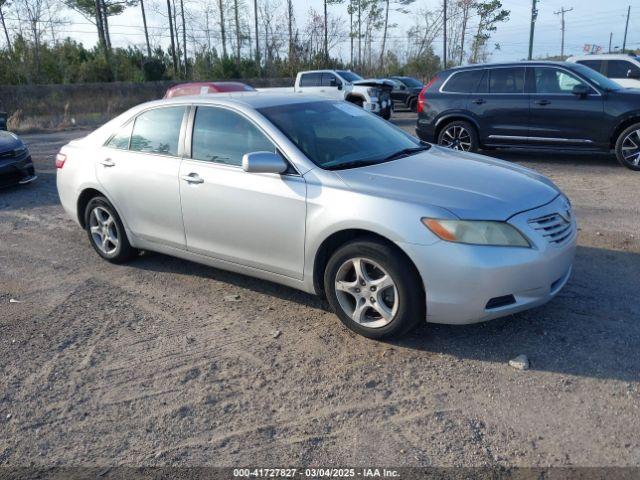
472,187
8,142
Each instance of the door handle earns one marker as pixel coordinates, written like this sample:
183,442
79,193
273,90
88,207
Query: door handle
192,178
479,101
107,162
542,102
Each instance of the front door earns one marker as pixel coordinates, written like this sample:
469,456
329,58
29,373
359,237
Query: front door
501,106
256,220
560,118
138,169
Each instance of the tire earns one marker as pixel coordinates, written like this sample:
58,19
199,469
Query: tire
628,147
403,301
459,135
358,102
101,219
386,114
413,105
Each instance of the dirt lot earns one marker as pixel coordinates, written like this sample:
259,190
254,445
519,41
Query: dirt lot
150,364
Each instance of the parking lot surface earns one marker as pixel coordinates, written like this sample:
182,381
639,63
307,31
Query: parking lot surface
164,361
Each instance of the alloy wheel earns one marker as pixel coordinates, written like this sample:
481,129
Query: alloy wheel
457,138
631,148
366,292
103,230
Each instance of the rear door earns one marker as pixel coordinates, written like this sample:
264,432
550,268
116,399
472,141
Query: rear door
624,72
310,83
501,106
560,118
138,169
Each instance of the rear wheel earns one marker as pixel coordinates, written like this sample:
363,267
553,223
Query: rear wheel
459,135
628,147
413,104
106,231
374,289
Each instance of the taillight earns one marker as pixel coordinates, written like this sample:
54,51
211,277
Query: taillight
421,99
60,159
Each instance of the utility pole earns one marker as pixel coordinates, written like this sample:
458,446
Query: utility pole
534,16
561,13
626,27
444,43
610,38
255,15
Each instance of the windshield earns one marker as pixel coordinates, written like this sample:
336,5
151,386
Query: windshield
336,135
411,82
597,78
349,76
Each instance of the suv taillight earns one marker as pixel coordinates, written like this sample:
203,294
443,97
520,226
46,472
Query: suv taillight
421,99
60,159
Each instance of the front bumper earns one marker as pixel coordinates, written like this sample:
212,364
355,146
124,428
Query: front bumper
379,106
469,284
16,171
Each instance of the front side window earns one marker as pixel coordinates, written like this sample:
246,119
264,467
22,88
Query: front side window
223,136
121,139
336,135
506,80
620,69
463,82
329,80
157,131
349,76
555,81
311,80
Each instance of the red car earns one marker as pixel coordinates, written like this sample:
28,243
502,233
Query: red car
203,88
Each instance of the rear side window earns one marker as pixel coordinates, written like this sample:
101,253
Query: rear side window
463,82
121,139
158,131
506,80
311,80
620,68
223,136
593,64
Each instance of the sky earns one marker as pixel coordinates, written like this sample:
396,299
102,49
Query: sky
590,22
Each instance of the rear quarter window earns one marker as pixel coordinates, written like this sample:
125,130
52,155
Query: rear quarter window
463,82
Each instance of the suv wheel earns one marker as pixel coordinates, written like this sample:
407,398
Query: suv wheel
459,135
106,231
413,105
628,147
373,289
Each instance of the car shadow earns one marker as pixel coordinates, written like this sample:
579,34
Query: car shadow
40,192
591,329
553,157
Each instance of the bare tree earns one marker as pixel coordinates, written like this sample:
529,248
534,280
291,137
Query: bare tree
4,3
399,7
37,15
490,14
146,30
223,35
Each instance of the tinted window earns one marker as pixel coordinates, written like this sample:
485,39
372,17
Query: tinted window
411,82
338,134
506,80
349,76
311,80
121,139
463,82
329,80
619,68
223,136
554,80
597,78
594,64
157,131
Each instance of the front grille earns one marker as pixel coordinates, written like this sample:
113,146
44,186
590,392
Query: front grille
555,228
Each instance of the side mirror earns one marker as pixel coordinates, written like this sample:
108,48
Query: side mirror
263,162
581,90
633,74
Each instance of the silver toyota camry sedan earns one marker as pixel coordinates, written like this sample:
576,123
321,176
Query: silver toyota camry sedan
322,196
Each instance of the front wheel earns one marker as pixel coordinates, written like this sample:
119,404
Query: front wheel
459,135
374,289
628,147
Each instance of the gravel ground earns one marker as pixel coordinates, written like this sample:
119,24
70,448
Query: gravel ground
166,362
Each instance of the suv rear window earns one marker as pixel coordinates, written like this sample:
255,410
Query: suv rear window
594,64
463,82
506,80
619,68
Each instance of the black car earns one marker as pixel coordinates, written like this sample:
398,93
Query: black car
554,105
15,161
405,91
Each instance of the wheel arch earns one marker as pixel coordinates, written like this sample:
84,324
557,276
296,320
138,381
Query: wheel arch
335,240
352,97
622,126
453,117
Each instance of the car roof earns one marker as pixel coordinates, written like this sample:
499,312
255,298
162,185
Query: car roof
510,64
253,100
605,56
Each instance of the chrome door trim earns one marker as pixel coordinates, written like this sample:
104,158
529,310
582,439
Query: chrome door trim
539,139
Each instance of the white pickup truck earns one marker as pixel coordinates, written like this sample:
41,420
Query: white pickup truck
372,95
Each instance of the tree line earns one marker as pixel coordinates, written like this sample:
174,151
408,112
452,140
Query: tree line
222,39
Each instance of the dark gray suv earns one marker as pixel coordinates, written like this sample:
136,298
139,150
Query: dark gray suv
546,105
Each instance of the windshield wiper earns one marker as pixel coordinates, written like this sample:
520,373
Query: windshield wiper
405,152
352,164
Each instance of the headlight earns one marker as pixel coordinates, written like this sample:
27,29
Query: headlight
373,92
477,232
